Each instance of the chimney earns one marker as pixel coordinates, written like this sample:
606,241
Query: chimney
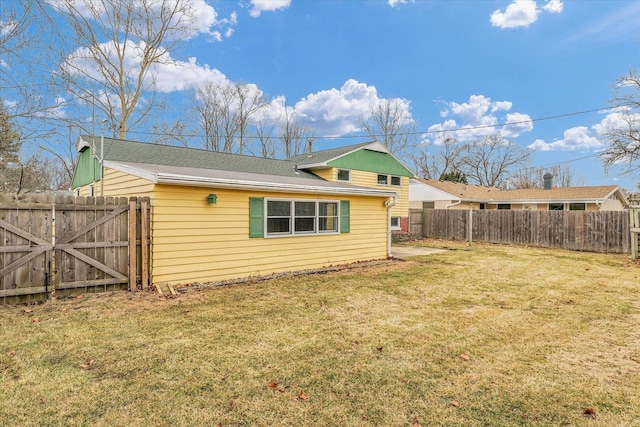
548,181
310,141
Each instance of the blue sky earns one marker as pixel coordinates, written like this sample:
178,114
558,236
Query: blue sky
456,63
464,67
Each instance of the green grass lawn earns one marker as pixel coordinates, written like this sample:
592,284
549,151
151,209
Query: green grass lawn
477,336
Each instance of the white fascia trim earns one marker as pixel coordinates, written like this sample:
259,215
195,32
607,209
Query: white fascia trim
149,176
195,181
268,186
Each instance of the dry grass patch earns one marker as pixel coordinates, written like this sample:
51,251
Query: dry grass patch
476,336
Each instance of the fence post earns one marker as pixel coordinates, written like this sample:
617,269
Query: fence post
144,241
634,229
132,244
470,226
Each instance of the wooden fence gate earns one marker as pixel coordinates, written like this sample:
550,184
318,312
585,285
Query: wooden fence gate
66,246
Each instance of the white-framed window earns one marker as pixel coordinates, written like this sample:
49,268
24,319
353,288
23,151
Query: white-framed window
389,179
91,191
344,175
77,192
395,223
286,217
577,206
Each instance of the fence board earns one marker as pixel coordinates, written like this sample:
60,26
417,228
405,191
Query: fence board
85,241
602,231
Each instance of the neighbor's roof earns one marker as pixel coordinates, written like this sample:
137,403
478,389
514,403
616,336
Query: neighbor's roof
469,192
559,194
462,191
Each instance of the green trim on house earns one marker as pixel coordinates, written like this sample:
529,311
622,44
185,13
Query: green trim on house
256,217
345,216
371,161
87,169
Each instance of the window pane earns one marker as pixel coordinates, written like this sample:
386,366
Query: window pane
556,206
577,206
328,224
278,208
305,224
382,179
344,175
305,208
504,206
278,225
395,221
395,180
328,209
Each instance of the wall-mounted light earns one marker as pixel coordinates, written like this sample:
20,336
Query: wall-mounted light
212,199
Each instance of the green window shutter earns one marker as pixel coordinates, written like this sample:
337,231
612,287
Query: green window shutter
256,217
345,214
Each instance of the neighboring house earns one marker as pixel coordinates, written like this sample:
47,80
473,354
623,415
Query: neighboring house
218,216
452,195
367,165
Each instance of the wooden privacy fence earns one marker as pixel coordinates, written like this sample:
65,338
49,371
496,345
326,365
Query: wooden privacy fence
66,245
602,231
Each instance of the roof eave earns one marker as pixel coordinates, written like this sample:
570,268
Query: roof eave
163,178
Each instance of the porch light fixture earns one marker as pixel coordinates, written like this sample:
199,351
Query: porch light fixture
212,199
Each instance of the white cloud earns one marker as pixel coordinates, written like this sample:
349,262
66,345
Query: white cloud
332,112
576,138
197,17
169,75
554,6
337,112
259,6
522,13
394,3
477,118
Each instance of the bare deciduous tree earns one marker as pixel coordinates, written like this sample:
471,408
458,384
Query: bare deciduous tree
292,134
249,100
621,130
491,160
390,122
432,160
121,42
532,177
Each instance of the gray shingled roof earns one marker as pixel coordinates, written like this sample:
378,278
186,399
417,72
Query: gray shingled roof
324,155
118,150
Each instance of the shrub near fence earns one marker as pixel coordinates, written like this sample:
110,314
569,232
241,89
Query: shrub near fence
603,231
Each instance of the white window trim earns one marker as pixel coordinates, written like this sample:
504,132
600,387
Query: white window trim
338,174
389,180
395,227
292,233
91,190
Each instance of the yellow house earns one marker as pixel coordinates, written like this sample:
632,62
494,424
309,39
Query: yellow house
218,216
368,165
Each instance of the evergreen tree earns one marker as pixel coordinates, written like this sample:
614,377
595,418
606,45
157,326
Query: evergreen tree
456,176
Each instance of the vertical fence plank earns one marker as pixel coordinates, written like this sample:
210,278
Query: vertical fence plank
144,241
132,244
594,231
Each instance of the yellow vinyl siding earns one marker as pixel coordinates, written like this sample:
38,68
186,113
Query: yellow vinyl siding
195,241
118,183
330,174
370,179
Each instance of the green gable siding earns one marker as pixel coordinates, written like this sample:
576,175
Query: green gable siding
371,161
87,170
